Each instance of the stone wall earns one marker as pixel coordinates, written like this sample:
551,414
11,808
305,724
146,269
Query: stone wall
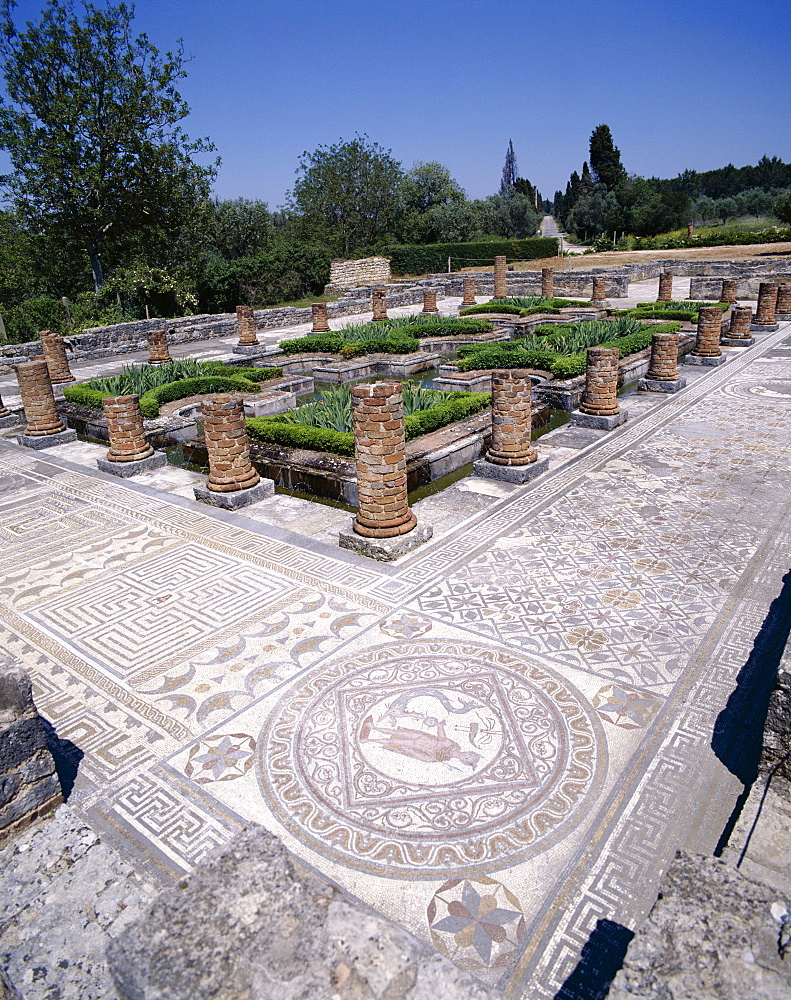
353,273
29,786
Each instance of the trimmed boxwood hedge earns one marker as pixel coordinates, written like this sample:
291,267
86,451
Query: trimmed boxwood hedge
552,306
654,310
433,257
269,431
562,366
396,338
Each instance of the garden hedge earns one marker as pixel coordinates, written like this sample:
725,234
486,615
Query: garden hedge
433,257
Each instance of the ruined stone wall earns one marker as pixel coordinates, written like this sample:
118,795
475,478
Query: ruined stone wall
353,273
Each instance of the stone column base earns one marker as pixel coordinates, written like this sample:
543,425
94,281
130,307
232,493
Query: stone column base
10,420
764,327
127,469
157,364
509,473
783,316
47,440
737,341
238,498
701,359
661,385
597,422
384,549
249,349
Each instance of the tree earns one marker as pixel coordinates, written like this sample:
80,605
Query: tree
90,123
348,195
462,221
509,169
426,186
592,211
514,215
240,228
605,158
783,210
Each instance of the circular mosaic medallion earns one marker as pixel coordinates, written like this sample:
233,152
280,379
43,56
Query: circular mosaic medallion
429,756
772,390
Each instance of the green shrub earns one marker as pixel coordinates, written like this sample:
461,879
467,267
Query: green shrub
525,305
686,311
389,336
433,257
83,395
465,404
322,343
151,401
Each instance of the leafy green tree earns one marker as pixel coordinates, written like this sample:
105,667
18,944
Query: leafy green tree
90,122
783,210
425,187
591,213
462,221
239,228
348,195
605,158
514,215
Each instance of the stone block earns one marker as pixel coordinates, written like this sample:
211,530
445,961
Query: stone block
47,440
737,341
126,469
764,327
249,349
510,473
238,498
10,420
597,421
661,385
384,549
701,359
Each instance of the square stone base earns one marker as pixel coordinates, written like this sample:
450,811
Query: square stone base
661,385
696,359
127,469
248,349
580,419
9,421
764,327
239,498
737,341
384,549
783,316
510,473
47,440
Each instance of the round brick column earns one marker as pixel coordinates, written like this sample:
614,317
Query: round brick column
664,357
547,282
512,410
469,291
245,323
225,431
54,351
729,289
125,428
430,302
320,321
380,455
741,317
4,411
767,303
783,307
158,352
500,271
665,287
379,304
600,398
599,290
707,342
41,415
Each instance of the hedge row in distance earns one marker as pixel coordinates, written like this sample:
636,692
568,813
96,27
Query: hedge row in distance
433,257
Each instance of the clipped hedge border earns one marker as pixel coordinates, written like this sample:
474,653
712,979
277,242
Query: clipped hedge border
553,306
410,258
335,343
268,430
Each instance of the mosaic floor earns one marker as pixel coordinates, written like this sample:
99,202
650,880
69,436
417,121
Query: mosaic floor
499,742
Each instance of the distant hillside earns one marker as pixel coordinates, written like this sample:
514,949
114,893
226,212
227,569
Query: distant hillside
725,182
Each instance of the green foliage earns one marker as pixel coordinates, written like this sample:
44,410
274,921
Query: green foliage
525,305
24,321
322,343
390,336
433,258
720,237
91,128
239,228
686,311
783,210
397,341
570,338
605,158
456,406
151,401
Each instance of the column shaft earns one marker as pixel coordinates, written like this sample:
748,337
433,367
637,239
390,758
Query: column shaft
707,342
500,271
225,431
245,322
41,415
128,441
512,411
54,351
600,397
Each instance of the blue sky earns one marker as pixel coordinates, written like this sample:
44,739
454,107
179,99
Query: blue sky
692,84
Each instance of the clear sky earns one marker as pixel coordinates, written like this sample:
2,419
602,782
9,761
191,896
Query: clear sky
681,83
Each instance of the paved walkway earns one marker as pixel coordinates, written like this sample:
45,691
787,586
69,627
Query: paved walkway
499,741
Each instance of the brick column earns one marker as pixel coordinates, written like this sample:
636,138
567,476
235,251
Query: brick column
662,374
511,455
158,352
232,482
320,321
707,342
429,302
245,323
665,287
783,308
500,271
7,418
729,289
44,426
741,318
599,290
767,304
54,351
547,282
130,451
4,411
469,291
379,304
599,404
